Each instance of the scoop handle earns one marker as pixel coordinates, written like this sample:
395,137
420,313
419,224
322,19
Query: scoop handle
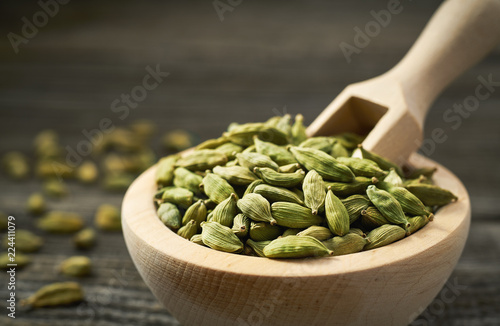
460,33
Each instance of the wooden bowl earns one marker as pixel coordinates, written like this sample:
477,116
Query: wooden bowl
385,286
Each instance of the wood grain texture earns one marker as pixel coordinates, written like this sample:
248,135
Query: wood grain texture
264,58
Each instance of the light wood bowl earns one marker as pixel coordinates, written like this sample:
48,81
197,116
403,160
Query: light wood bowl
385,286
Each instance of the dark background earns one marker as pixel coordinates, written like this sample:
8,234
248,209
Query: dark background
263,59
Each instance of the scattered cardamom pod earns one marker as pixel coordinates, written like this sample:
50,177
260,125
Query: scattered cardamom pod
36,204
55,294
85,239
60,222
21,260
16,165
55,188
87,172
77,266
178,140
108,218
25,241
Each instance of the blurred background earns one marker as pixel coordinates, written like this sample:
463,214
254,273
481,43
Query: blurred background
85,61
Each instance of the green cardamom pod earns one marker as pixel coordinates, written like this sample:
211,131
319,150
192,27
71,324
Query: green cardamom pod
262,231
85,239
16,165
213,143
323,144
184,178
338,150
314,191
258,246
251,187
220,237
417,222
225,212
371,218
216,188
60,222
357,186
432,195
188,230
256,207
165,170
197,238
55,188
36,204
387,205
241,225
347,244
77,266
196,212
296,247
253,160
383,163
170,216
87,172
291,231
289,168
326,166
393,178
354,205
362,167
384,235
236,175
409,202
349,140
337,216
319,232
283,124
20,260
178,196
293,215
272,194
277,153
201,160
25,241
55,294
230,150
243,134
275,178
427,172
298,131
108,218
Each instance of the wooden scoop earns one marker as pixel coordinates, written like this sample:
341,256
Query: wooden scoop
391,108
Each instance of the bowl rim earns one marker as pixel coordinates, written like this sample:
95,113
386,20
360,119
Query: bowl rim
140,221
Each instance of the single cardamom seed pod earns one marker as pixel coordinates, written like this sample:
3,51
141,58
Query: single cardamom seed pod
354,205
275,178
201,160
296,247
349,140
427,172
357,186
243,134
314,191
251,187
319,232
383,163
253,160
117,182
87,172
16,165
230,150
323,144
262,231
55,188
77,266
283,124
277,153
393,178
25,241
220,237
291,231
421,179
196,212
298,131
241,225
293,215
432,195
337,216
176,195
371,218
197,239
213,143
55,294
258,246
387,205
170,216
184,178
216,188
409,202
273,194
256,207
236,175
178,140
36,204
21,260
60,222
347,244
188,230
225,212
384,235
85,239
108,218
164,175
326,166
362,167
289,168
417,222
338,150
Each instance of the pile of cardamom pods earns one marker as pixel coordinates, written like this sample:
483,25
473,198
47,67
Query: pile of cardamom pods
266,189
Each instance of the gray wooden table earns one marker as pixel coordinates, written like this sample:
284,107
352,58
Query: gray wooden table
262,59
